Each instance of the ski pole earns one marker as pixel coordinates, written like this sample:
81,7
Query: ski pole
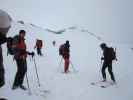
36,72
73,66
28,84
60,62
101,66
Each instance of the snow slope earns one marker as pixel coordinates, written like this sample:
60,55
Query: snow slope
85,57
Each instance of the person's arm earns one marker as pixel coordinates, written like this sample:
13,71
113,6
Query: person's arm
3,40
30,53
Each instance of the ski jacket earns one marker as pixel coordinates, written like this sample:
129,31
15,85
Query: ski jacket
107,55
20,49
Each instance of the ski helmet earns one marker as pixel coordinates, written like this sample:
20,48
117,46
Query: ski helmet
5,23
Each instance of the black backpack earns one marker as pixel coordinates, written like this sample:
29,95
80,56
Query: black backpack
10,42
112,53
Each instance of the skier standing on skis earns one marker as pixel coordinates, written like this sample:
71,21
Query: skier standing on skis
65,53
108,57
5,24
20,55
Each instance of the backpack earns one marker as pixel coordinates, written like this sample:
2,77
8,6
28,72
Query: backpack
39,43
61,49
112,53
10,42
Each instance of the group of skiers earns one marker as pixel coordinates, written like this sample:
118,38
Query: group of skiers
17,47
109,55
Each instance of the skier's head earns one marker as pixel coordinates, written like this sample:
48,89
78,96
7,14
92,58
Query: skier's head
67,42
103,45
22,33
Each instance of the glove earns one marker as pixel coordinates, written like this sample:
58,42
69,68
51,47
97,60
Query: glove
32,54
116,59
102,58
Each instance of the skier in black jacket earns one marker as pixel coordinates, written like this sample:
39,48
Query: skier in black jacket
107,63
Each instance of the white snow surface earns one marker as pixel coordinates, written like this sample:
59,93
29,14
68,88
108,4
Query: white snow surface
85,57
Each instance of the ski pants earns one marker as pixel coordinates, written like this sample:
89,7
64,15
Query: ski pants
21,71
39,51
66,65
109,66
66,62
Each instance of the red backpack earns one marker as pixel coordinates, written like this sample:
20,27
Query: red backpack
39,44
61,49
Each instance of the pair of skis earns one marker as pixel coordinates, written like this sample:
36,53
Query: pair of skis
103,84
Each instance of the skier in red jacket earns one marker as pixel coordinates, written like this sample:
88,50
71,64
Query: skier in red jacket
65,53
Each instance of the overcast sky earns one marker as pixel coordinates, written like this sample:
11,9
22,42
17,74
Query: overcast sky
111,19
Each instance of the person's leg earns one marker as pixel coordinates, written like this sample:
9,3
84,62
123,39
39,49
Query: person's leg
38,52
18,74
66,66
23,71
111,72
2,72
103,71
